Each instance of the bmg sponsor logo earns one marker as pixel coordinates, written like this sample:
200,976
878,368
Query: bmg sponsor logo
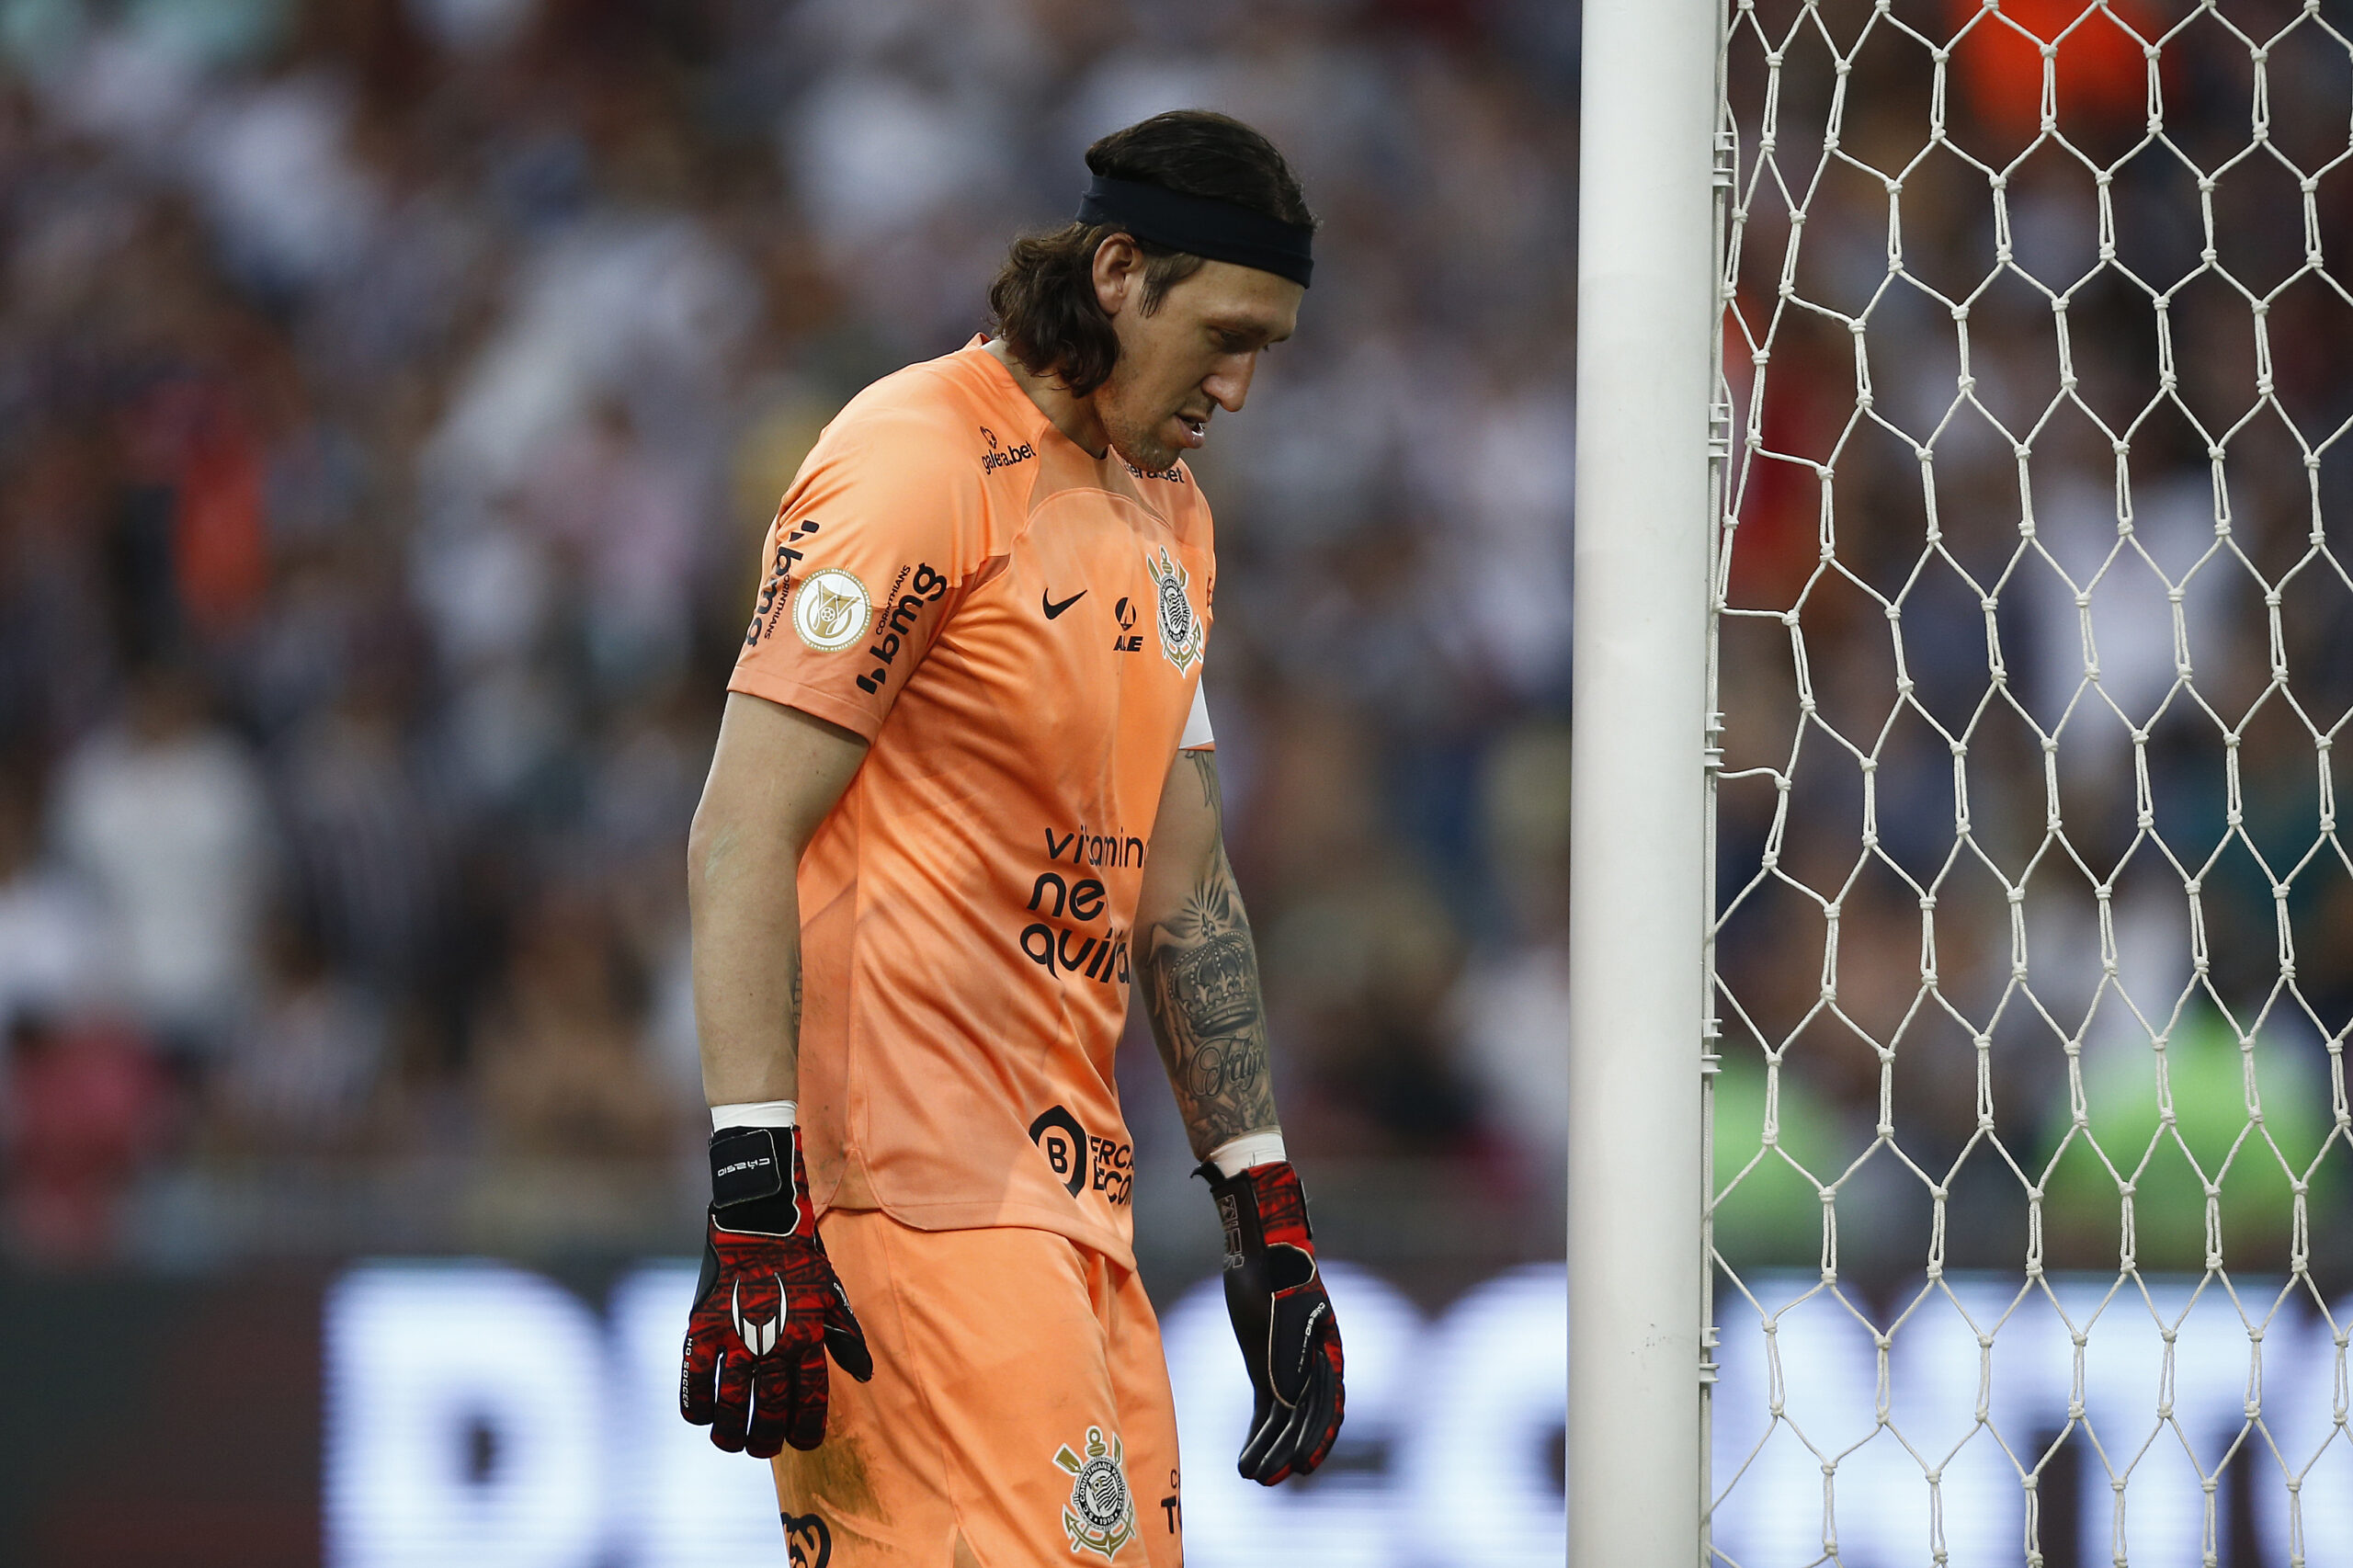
899,619
778,586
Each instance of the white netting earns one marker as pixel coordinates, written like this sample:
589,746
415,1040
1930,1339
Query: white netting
2034,957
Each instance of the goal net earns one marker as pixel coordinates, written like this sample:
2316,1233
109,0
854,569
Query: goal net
2031,1212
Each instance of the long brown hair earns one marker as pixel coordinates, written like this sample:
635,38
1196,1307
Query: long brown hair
1042,303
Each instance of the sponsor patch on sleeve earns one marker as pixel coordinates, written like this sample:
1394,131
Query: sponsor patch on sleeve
830,608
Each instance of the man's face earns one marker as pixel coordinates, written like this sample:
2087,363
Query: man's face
1189,357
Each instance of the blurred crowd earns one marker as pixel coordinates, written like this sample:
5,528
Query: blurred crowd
391,396
2041,546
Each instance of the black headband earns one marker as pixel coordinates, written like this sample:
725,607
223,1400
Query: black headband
1200,225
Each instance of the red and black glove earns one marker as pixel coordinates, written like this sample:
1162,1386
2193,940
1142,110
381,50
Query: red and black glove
768,1307
1282,1320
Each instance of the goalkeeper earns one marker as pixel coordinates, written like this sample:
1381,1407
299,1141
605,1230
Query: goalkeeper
964,793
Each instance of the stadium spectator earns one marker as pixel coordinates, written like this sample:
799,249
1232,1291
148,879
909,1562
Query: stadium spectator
564,1064
303,1076
52,938
86,1107
391,398
167,814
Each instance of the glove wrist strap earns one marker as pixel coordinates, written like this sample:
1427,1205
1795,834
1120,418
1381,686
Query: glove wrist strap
753,1172
1261,1205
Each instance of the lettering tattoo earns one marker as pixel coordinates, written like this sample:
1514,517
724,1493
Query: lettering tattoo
1200,974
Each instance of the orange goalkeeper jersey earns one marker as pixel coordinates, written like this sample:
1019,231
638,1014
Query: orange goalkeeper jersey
1017,628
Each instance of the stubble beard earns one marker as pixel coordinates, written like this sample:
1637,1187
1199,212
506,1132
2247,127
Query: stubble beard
1136,442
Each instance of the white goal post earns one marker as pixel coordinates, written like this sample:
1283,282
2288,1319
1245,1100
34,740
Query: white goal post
1961,1160
1646,292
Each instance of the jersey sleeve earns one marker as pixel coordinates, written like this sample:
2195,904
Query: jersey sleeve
871,550
1196,724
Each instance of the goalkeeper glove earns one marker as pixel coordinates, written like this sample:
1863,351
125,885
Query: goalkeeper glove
1281,1318
768,1307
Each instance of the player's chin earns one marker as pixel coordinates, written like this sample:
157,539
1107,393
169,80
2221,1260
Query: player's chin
1149,453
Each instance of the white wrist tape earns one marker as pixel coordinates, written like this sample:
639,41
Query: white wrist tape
752,1113
1254,1148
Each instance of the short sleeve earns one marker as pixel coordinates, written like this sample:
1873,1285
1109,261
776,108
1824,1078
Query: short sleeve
871,550
1196,724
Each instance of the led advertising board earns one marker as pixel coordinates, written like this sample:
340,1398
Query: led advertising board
480,1414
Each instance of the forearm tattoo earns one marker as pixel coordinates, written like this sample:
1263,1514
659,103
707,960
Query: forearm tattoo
1200,974
792,1017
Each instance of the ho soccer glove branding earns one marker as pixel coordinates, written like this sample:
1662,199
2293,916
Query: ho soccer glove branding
1283,1319
768,1307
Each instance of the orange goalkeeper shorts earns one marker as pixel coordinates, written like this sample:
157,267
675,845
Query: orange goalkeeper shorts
1020,1413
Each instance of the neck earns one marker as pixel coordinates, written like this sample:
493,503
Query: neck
1073,416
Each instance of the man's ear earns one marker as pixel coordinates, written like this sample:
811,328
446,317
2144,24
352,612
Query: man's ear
1118,273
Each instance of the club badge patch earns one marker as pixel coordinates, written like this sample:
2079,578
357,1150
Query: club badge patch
1100,1517
1181,632
830,609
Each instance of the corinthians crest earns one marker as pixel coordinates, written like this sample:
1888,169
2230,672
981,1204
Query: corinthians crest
1100,1517
1181,632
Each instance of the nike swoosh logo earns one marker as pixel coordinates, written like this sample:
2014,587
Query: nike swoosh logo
1053,609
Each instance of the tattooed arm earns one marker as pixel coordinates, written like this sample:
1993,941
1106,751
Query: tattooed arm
1199,968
